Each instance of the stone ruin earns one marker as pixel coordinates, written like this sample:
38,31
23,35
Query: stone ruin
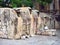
8,19
24,14
21,22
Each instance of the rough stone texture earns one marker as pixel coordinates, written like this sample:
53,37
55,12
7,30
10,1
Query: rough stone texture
25,15
34,21
27,20
19,27
32,31
7,22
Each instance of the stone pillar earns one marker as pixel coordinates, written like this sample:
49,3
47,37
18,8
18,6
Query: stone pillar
37,6
51,5
56,2
47,7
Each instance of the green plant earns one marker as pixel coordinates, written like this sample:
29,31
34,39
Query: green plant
19,3
0,2
44,2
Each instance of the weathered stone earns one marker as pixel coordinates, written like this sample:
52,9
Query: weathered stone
22,26
34,22
7,17
19,32
51,32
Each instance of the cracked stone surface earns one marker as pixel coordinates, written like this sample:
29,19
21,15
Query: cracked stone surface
36,40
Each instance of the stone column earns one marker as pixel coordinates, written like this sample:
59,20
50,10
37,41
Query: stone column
57,6
51,5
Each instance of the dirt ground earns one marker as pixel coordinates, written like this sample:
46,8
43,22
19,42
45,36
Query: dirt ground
36,40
